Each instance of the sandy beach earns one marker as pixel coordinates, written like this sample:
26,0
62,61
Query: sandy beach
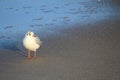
83,54
90,51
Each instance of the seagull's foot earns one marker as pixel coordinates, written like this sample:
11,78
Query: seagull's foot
28,57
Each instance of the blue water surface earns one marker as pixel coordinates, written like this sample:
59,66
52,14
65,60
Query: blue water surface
46,17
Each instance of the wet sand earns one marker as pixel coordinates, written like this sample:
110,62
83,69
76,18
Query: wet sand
82,53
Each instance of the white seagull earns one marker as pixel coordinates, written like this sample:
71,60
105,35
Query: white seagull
31,42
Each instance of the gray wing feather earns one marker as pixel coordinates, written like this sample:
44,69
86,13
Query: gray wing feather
38,40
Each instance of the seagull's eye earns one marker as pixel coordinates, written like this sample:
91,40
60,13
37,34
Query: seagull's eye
29,34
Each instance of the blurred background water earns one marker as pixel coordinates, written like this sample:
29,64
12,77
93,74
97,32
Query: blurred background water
47,18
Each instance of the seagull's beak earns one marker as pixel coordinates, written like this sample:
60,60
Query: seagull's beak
34,36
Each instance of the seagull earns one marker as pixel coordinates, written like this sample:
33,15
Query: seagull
31,42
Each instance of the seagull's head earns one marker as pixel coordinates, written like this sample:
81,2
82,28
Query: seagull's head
30,34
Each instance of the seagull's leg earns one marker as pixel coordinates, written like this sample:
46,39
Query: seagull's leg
28,56
34,53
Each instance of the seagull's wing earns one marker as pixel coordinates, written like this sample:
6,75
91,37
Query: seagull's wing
37,40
